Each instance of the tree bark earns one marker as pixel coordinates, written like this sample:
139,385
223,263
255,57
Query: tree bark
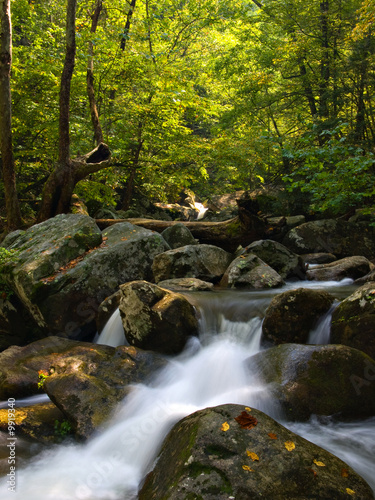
98,133
6,146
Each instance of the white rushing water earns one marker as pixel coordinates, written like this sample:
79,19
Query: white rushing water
208,373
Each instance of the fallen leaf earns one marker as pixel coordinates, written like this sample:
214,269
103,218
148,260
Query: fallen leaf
344,472
225,426
271,435
252,455
247,408
246,421
319,464
246,467
350,492
289,445
314,472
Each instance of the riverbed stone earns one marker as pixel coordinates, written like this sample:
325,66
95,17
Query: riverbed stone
291,315
353,321
205,262
251,272
187,284
277,256
234,452
339,237
73,267
349,267
155,318
178,235
318,258
317,380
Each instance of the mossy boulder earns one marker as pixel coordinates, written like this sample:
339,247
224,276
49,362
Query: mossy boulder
251,272
186,284
322,380
212,455
291,315
155,318
349,267
353,321
178,235
62,289
205,262
84,380
339,237
280,258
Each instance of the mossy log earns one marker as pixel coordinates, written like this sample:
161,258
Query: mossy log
228,234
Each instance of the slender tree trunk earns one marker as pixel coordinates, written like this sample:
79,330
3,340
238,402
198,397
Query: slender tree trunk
125,36
60,185
9,177
98,133
324,63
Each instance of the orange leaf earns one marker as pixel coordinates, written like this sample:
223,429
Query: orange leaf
314,472
344,472
271,435
246,421
225,426
252,455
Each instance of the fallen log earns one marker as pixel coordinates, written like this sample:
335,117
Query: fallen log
228,234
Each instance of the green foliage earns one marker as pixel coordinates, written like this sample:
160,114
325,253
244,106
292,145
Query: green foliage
7,261
62,429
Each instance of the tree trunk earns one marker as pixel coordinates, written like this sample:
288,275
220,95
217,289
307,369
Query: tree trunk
98,133
11,200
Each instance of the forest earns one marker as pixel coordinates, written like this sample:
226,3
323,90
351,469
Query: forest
100,99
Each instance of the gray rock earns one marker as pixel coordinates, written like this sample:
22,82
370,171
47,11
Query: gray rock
205,262
318,258
155,318
178,235
339,237
291,315
277,256
210,455
349,267
353,321
181,284
317,380
251,272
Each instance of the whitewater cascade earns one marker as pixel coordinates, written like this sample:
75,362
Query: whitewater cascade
209,372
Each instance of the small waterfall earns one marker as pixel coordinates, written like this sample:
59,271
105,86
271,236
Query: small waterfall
321,333
201,210
113,332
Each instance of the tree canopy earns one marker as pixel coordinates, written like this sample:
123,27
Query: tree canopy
211,95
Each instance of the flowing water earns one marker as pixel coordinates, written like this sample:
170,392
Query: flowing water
209,372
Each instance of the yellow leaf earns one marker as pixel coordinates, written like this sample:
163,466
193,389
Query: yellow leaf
225,426
252,455
350,492
247,408
289,445
246,467
319,464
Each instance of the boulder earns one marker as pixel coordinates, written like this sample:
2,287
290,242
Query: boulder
318,258
291,315
232,451
318,380
155,318
178,235
84,380
205,262
188,284
62,280
365,279
339,237
41,422
353,321
251,272
277,256
349,267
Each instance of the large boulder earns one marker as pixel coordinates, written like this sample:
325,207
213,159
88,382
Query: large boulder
353,321
318,380
205,262
84,380
349,267
155,318
62,279
277,256
291,315
250,271
232,451
178,235
339,237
